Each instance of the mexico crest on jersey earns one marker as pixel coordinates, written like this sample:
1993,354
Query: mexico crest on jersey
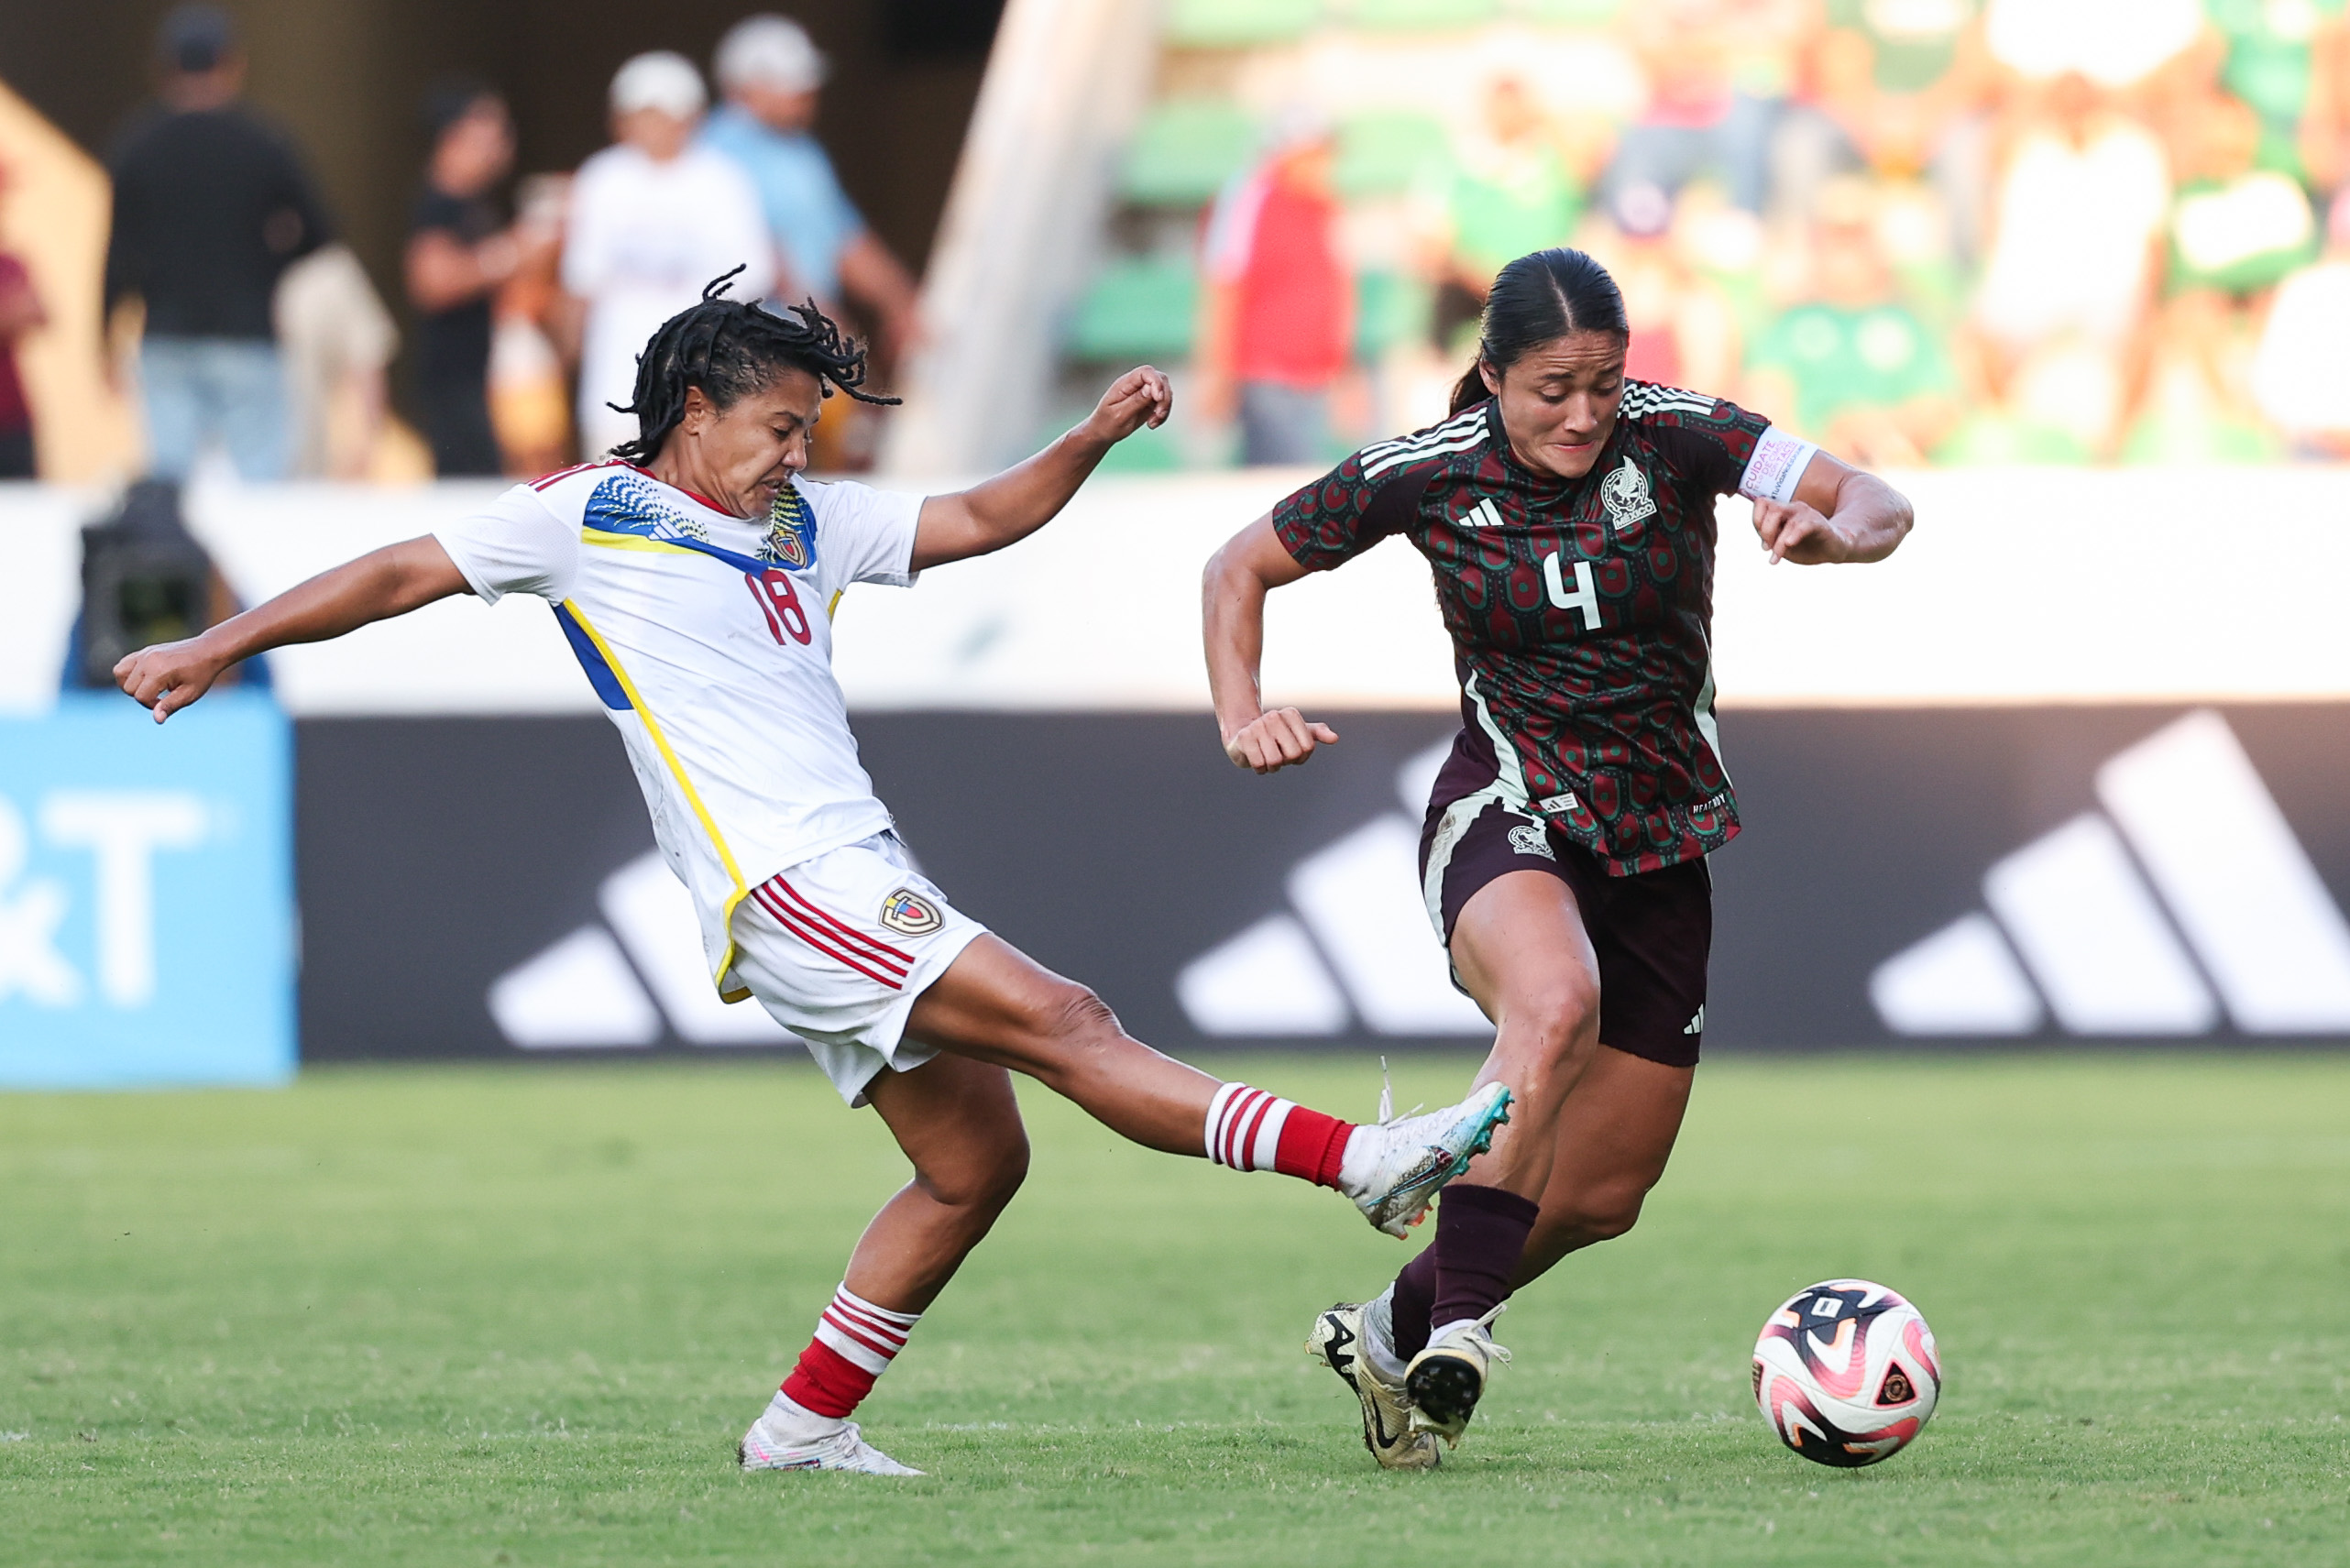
1625,495
791,531
909,914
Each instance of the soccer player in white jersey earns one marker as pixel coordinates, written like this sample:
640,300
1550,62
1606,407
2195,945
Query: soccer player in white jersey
693,577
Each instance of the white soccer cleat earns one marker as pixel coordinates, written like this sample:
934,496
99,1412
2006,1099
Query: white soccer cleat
1412,1158
844,1449
1444,1381
1336,1342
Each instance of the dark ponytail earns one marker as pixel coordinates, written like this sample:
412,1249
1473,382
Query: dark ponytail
1536,298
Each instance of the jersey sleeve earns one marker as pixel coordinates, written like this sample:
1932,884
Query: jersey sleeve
515,546
864,535
1332,520
1727,449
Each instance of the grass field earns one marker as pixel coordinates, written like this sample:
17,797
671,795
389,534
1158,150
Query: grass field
521,1317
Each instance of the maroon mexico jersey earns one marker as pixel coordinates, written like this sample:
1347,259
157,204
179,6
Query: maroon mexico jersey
1581,611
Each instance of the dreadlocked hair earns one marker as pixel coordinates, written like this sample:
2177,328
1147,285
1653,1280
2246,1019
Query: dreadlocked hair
731,349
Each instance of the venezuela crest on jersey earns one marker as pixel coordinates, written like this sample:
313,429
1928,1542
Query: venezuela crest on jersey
1580,610
791,531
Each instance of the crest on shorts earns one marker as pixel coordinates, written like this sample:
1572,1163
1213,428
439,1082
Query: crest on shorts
909,914
1531,839
791,531
1625,495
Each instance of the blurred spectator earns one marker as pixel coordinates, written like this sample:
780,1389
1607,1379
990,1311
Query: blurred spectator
2269,64
530,404
1519,188
2324,131
1853,366
2077,210
2297,374
1684,326
2233,227
1279,303
2196,406
459,251
337,339
1905,86
654,219
210,206
21,311
2117,44
770,72
1706,116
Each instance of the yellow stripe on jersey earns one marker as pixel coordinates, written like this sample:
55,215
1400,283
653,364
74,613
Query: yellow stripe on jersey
603,541
832,610
693,796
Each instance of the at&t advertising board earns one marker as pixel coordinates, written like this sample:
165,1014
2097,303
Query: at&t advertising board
147,921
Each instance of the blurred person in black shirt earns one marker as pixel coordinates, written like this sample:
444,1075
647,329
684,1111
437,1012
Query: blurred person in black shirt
211,206
460,251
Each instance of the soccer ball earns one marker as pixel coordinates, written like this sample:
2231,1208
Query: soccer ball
1846,1373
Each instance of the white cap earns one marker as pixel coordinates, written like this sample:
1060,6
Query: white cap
768,50
663,80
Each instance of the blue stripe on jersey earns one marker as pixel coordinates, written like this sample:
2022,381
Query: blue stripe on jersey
628,503
599,674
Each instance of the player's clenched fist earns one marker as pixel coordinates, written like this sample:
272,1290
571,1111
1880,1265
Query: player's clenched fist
1140,397
167,676
1277,740
1791,530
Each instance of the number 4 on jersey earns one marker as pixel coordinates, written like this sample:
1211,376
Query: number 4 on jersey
780,601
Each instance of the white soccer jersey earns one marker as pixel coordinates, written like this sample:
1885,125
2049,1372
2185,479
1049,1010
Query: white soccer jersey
709,640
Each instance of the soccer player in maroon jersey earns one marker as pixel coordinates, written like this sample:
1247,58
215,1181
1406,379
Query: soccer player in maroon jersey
1569,515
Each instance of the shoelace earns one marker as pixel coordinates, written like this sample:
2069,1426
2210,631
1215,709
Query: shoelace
1387,1117
1485,1332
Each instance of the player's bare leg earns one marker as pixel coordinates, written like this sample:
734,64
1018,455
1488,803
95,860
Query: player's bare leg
958,1123
995,1005
1518,946
1614,1134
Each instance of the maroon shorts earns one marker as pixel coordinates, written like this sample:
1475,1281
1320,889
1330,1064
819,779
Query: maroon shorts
1652,932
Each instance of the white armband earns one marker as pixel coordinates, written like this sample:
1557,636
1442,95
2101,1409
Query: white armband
1776,468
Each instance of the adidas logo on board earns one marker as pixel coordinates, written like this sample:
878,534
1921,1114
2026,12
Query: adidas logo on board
2185,899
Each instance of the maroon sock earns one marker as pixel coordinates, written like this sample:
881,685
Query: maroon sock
1416,1297
1480,1232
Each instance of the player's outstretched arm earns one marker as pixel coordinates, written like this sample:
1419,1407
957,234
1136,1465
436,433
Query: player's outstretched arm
1021,499
377,585
1252,563
1840,514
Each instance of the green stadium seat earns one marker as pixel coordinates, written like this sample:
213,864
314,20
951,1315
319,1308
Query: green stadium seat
1422,15
1237,24
1138,308
1384,151
1184,150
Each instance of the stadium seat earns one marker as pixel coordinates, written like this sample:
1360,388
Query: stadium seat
1138,308
1422,15
1384,151
1184,151
1237,24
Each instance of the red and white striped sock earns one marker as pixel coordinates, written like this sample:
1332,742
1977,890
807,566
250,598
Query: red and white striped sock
855,1342
1251,1130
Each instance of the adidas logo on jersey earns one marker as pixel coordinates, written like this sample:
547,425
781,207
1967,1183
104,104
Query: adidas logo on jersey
2139,919
1482,515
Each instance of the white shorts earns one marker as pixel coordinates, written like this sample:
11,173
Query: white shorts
837,948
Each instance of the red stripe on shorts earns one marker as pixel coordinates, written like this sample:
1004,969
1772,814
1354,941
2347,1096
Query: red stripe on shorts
878,949
814,938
